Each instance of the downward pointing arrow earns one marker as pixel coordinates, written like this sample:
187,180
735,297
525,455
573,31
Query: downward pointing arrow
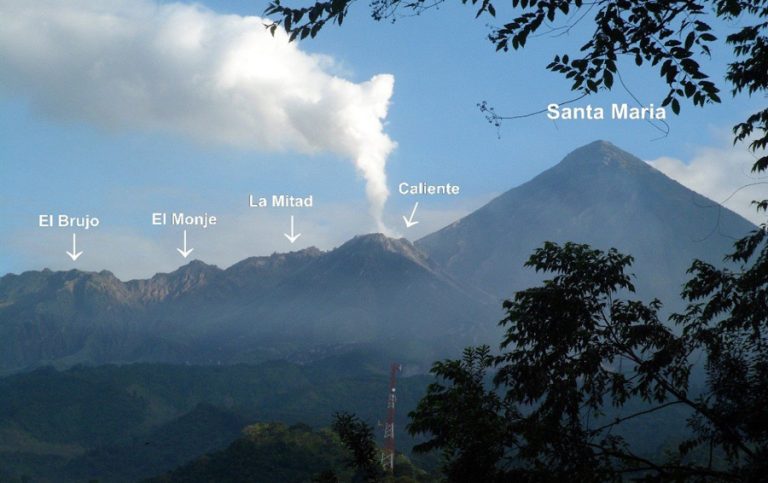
74,254
185,253
409,221
293,236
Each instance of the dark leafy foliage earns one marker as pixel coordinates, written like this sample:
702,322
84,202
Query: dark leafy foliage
573,347
576,351
128,422
465,421
267,452
669,35
728,319
357,436
276,452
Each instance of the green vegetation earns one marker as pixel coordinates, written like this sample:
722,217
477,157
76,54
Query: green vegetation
357,437
271,452
204,429
589,384
123,423
267,453
575,351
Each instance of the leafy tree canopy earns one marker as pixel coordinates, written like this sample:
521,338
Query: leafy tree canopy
357,436
669,35
578,356
364,456
575,347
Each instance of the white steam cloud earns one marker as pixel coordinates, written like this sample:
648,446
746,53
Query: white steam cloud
136,64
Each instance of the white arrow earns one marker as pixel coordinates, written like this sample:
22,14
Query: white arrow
185,253
409,221
74,254
293,236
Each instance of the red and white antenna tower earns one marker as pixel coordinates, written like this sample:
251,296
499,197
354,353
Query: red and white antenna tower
388,454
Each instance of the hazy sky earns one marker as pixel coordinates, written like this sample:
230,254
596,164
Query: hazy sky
121,108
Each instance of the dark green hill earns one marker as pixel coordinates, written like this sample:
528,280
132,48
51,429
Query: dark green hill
276,452
204,429
122,423
267,453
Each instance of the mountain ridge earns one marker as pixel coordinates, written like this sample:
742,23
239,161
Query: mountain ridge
418,301
197,273
371,288
597,194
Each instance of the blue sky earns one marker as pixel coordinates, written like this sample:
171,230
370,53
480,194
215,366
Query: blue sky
57,156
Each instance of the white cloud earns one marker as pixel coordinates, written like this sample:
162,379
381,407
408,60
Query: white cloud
721,174
184,69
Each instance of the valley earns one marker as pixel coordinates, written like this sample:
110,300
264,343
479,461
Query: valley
124,380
